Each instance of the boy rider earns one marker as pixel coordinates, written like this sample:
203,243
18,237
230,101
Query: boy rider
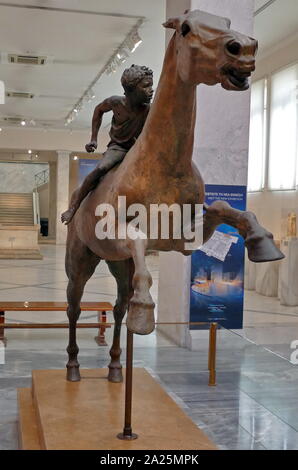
129,115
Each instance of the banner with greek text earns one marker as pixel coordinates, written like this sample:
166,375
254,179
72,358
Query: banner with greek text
217,269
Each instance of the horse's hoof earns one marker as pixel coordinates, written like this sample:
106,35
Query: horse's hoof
73,374
263,250
115,374
140,318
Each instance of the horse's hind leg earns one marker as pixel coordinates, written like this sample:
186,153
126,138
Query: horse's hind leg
122,272
80,264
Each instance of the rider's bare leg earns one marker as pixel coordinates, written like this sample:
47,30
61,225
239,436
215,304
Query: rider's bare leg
110,159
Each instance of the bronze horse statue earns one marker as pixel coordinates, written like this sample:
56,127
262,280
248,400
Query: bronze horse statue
158,169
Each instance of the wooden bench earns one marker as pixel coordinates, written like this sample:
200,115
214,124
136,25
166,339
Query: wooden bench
101,307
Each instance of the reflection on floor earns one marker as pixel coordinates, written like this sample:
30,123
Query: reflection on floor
254,405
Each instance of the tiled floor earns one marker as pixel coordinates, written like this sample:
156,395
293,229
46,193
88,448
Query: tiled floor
254,405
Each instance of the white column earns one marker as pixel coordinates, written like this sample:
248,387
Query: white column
62,194
174,268
222,131
220,153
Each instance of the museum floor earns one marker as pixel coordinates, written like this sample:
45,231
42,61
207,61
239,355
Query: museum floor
254,405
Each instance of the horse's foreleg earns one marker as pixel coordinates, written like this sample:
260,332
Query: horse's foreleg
122,272
258,241
140,318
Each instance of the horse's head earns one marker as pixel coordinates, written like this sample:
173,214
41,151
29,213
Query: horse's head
209,52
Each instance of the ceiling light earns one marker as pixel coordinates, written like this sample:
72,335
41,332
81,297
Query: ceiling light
75,157
0,129
136,45
29,151
136,39
90,95
23,123
122,57
36,156
129,45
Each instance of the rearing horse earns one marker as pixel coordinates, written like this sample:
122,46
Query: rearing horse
158,169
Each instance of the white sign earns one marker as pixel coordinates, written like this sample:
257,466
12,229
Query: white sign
2,92
219,245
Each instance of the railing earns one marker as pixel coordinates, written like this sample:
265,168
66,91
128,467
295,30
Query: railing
42,178
36,211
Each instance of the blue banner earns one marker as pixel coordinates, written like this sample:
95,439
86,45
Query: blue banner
85,167
217,269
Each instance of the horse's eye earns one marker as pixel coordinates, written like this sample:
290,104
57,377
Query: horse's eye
185,29
234,47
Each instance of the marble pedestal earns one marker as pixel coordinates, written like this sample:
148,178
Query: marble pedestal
19,242
267,275
250,274
88,415
288,286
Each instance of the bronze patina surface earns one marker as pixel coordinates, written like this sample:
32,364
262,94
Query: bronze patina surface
158,169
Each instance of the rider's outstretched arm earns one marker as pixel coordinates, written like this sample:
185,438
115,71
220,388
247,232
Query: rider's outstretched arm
91,180
100,109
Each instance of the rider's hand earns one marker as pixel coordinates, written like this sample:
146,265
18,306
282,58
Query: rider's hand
91,146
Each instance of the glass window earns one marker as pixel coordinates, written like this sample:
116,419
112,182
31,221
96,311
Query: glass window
283,129
257,136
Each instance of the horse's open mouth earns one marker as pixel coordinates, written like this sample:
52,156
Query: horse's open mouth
236,79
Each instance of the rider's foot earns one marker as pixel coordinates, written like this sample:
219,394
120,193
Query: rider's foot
67,216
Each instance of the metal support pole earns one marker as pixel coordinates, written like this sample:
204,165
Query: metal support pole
2,323
212,355
127,433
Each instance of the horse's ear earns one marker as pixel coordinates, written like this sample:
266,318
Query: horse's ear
172,23
228,22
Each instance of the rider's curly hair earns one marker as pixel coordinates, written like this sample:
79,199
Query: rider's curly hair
132,76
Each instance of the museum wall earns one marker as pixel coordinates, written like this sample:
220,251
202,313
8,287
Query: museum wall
271,207
18,177
220,153
39,139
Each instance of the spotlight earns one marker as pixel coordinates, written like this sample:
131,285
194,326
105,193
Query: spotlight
121,57
136,40
23,123
136,45
30,151
75,157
